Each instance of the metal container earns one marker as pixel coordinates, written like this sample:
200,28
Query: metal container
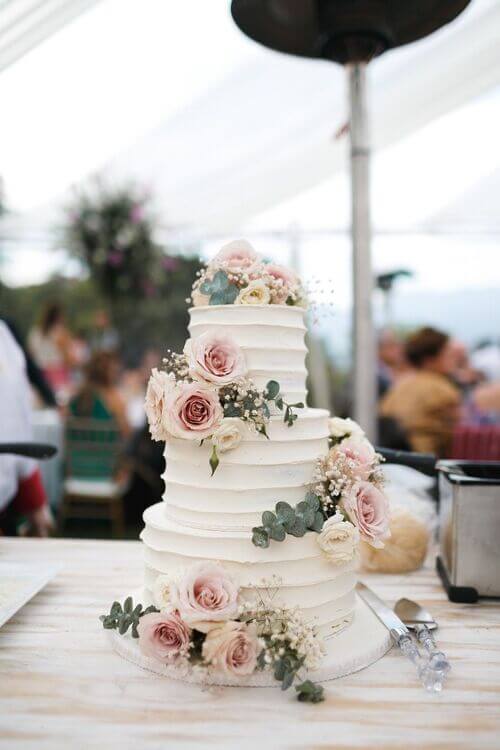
469,529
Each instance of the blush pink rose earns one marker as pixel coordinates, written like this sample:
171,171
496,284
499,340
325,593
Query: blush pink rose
232,648
159,386
368,509
237,257
280,273
192,411
163,635
361,455
206,595
215,357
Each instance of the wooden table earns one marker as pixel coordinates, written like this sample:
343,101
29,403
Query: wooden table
61,686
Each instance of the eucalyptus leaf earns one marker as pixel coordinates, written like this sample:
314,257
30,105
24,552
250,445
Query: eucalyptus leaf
272,390
128,605
260,537
318,522
268,518
279,403
219,282
288,679
214,460
279,670
312,500
284,512
299,527
277,532
116,609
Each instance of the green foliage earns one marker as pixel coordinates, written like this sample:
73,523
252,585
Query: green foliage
307,515
308,692
272,393
220,290
122,618
214,460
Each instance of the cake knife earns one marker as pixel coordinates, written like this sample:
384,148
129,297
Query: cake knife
430,678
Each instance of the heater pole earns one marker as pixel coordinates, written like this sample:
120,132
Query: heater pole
364,359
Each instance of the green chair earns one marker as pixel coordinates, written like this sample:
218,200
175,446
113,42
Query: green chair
92,451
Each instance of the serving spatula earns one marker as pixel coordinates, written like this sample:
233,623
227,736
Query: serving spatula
421,621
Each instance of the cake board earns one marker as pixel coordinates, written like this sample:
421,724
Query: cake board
363,643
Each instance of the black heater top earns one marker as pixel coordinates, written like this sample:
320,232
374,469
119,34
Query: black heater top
341,30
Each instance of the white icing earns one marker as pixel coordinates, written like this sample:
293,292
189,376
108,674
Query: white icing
271,336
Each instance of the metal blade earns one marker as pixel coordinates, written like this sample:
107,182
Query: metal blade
384,613
412,613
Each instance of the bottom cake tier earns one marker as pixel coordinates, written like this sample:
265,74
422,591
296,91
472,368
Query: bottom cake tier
294,574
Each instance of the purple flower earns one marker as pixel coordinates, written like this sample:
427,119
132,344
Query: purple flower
136,213
115,258
170,264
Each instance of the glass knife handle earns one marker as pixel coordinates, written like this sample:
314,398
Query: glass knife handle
437,659
431,678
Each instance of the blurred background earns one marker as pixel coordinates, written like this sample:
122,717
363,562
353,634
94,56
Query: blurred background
138,136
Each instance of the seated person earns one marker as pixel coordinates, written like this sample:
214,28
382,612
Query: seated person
99,397
426,403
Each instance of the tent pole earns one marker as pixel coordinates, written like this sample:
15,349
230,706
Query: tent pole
364,362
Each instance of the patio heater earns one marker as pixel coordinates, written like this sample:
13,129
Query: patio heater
351,33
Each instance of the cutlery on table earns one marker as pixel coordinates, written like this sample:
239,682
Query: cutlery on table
431,678
421,621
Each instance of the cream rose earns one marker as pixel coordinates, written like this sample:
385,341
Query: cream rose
163,636
368,509
338,540
215,357
192,411
232,648
228,436
160,385
206,595
236,257
256,293
161,591
340,428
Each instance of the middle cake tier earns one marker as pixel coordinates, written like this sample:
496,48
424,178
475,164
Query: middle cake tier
250,479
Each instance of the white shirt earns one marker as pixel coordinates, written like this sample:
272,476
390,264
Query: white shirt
15,415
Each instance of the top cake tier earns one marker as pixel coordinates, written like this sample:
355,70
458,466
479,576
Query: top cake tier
271,336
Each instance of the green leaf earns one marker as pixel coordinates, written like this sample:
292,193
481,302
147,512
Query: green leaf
272,390
149,609
277,532
284,512
279,670
135,632
318,522
116,609
230,410
219,281
279,403
308,692
225,296
124,623
128,605
288,679
299,528
260,537
312,500
298,405
268,518
304,510
137,611
214,460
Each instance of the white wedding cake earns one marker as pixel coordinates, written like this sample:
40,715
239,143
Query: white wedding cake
250,559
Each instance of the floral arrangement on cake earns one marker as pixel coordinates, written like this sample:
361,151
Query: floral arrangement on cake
345,504
238,275
200,621
205,394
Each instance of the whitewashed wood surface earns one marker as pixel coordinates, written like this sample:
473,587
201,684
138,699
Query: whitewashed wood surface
62,687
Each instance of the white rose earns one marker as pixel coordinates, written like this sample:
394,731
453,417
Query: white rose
339,428
256,293
159,386
338,540
228,436
161,591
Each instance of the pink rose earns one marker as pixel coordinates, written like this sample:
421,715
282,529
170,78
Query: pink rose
215,357
159,386
232,648
368,509
192,411
280,273
237,257
206,595
163,635
361,455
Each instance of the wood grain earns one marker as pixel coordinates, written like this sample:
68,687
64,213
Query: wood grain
61,686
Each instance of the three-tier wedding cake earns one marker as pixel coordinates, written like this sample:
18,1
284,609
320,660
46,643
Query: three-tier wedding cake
250,560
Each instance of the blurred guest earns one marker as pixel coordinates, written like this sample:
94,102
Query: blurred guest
425,402
464,375
21,490
51,345
392,362
486,359
483,406
104,337
99,396
35,376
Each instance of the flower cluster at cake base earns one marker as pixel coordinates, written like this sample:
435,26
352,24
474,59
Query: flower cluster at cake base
201,622
204,393
238,275
345,504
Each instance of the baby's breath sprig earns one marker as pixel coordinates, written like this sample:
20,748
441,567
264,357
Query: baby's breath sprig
176,363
